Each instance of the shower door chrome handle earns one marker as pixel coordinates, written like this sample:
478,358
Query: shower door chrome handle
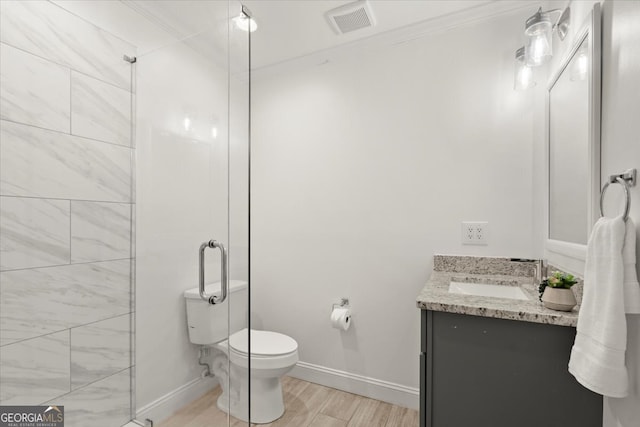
224,277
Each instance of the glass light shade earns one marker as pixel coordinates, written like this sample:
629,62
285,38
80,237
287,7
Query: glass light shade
538,33
245,23
523,78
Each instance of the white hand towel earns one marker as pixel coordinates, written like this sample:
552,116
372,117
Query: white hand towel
631,285
597,356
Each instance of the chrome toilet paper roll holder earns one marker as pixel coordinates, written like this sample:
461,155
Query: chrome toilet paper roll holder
344,302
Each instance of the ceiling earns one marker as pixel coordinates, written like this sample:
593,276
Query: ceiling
287,29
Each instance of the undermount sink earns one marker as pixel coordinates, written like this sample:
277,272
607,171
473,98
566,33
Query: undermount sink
487,290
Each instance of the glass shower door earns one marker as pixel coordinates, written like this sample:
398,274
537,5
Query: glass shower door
192,130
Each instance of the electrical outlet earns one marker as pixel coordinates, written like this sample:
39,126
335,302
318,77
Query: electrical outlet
475,233
482,232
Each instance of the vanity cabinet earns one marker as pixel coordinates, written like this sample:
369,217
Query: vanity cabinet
488,372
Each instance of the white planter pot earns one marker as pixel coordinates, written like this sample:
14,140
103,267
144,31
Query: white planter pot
559,299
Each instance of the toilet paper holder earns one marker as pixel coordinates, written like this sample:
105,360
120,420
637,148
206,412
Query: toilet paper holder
344,302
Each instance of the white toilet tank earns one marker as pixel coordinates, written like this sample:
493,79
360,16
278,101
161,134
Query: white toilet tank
207,323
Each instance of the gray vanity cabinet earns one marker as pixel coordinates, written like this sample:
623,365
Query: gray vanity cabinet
487,372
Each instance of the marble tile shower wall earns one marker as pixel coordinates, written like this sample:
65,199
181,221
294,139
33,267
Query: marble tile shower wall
65,214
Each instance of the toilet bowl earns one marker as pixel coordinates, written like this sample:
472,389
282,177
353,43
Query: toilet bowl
272,354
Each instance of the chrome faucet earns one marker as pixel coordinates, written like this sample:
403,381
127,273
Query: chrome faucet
540,264
541,270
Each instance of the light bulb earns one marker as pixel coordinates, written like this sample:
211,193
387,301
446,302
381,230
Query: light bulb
539,46
523,74
187,123
539,50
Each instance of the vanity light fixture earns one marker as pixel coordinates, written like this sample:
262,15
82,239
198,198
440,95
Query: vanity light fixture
538,31
524,73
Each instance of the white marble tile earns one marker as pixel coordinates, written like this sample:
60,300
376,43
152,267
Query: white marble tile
43,300
40,163
105,403
35,370
47,30
34,91
33,232
100,231
99,350
100,110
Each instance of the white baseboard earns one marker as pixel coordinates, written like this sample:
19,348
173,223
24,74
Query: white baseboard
373,388
165,406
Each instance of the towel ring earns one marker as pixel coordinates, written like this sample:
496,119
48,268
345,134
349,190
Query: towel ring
625,179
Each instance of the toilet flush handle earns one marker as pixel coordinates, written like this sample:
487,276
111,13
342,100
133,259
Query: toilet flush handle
224,277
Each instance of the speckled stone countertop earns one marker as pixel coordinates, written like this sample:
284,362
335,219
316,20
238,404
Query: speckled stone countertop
500,271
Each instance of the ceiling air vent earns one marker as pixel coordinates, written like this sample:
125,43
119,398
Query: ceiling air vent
351,17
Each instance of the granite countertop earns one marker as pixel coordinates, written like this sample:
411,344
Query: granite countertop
501,271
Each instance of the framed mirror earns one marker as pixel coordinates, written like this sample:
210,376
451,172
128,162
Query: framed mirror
573,147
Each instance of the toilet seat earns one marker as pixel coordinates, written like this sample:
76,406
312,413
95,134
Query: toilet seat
263,343
269,350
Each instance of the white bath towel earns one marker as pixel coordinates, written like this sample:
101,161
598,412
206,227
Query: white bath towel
597,356
631,285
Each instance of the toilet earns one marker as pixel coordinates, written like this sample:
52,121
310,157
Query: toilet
272,354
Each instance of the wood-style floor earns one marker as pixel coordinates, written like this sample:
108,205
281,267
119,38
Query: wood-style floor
306,405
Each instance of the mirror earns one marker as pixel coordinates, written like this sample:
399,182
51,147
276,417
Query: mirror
569,150
573,143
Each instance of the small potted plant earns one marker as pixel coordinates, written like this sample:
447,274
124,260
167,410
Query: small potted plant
556,293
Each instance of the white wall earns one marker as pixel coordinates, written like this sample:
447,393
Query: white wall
364,168
621,151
